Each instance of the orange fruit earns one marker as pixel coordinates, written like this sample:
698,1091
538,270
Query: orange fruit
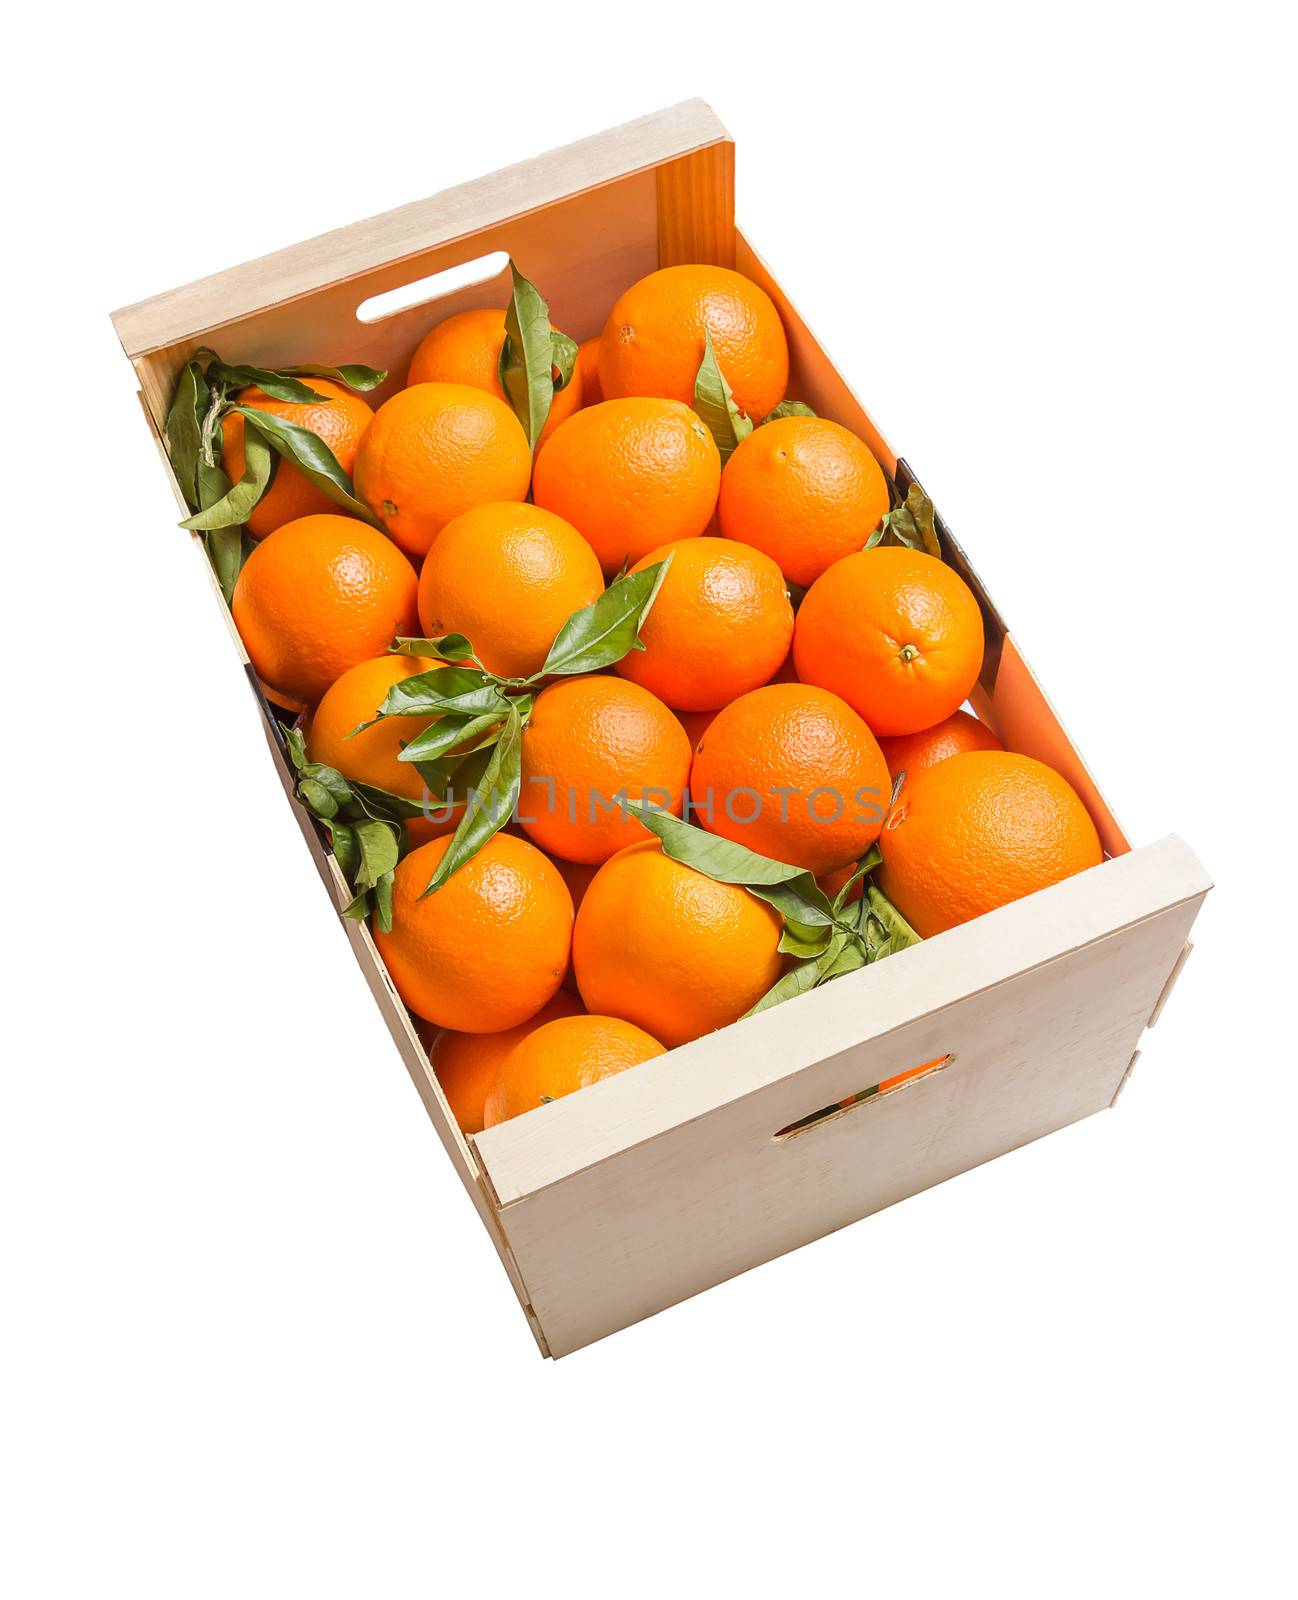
833,881
589,741
434,451
370,757
340,418
316,597
653,339
562,1056
977,831
912,753
720,626
630,475
490,947
577,875
588,366
669,949
465,348
896,633
791,772
466,1064
805,491
508,576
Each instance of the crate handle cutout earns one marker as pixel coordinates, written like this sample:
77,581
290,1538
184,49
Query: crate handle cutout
901,1080
436,286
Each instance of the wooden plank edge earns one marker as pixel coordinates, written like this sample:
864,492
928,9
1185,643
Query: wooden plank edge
522,1157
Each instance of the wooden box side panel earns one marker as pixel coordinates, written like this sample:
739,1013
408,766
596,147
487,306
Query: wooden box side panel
631,1236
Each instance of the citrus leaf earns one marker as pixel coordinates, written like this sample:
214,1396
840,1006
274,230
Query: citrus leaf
227,550
383,902
600,634
793,891
342,841
236,505
563,358
526,357
277,385
804,939
899,935
184,428
490,805
376,844
382,805
355,376
872,858
912,524
797,980
310,455
787,408
714,403
446,733
427,693
452,647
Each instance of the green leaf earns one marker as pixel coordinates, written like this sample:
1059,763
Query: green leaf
357,377
428,693
343,843
236,505
797,980
899,935
490,806
227,550
715,404
184,428
805,939
787,408
377,844
452,647
284,383
912,524
310,455
526,357
600,634
448,732
563,358
277,385
383,902
872,858
385,807
793,891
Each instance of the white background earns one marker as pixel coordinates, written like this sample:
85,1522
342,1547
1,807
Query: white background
255,1341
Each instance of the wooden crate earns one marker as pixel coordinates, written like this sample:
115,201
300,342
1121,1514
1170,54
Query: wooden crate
613,1203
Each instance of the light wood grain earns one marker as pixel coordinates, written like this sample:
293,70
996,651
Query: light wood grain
653,1185
696,208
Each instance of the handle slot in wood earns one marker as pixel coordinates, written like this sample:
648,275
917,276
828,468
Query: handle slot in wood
436,286
876,1092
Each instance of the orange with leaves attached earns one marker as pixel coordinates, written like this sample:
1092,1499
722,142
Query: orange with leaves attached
791,772
653,341
316,597
977,831
561,1057
591,743
487,949
466,348
721,625
434,451
339,418
669,949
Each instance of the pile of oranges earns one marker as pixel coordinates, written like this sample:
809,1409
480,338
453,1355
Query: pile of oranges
714,676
